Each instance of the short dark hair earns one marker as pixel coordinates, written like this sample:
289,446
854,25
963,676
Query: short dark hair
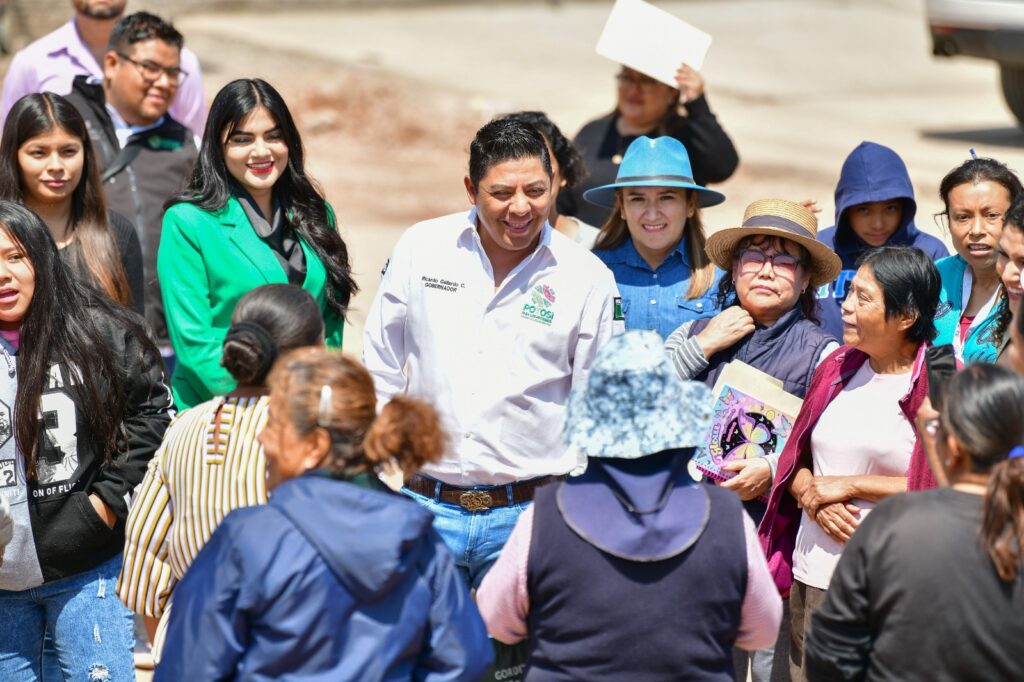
141,26
570,163
910,285
978,170
505,139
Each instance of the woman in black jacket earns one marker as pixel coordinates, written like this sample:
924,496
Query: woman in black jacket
83,406
648,107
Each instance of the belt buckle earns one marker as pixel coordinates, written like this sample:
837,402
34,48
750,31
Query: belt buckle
475,500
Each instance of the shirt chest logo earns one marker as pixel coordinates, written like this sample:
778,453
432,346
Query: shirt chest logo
538,308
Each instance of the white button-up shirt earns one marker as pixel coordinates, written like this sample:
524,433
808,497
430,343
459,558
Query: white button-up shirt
497,364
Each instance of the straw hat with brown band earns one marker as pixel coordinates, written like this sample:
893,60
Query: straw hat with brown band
777,218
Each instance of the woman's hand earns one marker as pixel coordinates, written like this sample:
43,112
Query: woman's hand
690,82
104,512
838,520
823,490
754,477
725,329
926,422
811,205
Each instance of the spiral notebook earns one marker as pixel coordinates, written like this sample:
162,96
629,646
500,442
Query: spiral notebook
752,416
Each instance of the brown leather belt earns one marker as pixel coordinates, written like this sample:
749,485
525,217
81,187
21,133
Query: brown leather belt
479,498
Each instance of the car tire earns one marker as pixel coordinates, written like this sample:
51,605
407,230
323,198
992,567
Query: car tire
1012,78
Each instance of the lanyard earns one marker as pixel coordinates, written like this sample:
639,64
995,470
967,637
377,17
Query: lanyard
965,295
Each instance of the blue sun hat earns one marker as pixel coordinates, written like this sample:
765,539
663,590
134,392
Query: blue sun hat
633,403
657,162
639,423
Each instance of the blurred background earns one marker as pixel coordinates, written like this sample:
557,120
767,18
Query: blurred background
389,94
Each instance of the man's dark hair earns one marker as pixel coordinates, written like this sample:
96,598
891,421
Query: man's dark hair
505,139
570,163
910,285
135,28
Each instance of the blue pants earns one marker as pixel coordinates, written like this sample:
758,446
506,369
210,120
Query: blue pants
475,538
92,630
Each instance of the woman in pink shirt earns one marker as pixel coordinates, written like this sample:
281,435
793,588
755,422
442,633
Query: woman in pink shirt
854,442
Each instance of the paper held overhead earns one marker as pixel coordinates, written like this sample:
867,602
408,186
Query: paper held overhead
652,41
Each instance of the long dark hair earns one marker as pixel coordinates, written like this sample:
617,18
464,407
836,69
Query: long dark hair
984,410
1014,220
98,257
269,321
211,185
60,328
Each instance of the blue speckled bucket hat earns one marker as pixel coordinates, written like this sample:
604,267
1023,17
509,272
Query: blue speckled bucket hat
657,162
633,403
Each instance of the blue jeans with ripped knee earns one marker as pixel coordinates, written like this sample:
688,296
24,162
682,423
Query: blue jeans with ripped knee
92,630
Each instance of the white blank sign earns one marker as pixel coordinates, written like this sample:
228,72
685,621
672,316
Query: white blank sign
651,41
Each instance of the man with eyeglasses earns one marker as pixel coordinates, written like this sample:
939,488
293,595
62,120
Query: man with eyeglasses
145,154
77,48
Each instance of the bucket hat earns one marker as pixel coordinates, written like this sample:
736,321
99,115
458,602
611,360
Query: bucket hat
657,162
633,403
777,218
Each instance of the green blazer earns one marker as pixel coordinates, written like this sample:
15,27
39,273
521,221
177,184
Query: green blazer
206,262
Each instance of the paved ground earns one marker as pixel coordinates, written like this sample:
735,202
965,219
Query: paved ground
389,98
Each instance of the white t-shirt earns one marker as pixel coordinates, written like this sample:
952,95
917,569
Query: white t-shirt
862,432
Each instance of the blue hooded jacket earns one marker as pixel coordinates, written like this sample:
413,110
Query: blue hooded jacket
871,172
328,581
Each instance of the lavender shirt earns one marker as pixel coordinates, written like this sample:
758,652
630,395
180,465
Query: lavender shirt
52,62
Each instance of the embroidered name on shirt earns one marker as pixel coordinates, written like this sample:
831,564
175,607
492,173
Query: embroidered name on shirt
442,284
539,307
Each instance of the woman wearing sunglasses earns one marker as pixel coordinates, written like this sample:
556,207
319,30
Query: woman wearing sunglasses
773,264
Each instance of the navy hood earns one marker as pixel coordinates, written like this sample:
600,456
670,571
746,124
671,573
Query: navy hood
370,539
872,172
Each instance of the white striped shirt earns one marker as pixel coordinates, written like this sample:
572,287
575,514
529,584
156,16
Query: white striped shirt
202,471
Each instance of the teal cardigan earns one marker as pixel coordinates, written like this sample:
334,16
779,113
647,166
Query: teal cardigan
980,345
206,262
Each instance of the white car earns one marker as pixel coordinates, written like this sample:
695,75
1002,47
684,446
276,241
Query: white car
988,29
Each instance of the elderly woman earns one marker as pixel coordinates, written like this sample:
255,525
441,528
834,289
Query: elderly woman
953,550
774,264
337,577
976,196
654,240
682,560
853,442
648,107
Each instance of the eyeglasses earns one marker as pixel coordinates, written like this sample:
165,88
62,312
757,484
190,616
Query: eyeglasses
152,72
752,260
639,80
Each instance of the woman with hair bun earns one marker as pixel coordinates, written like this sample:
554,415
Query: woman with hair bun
337,577
211,461
931,586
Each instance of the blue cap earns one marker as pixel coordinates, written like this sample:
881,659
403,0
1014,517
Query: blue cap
658,162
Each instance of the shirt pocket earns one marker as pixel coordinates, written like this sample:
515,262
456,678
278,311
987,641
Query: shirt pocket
696,308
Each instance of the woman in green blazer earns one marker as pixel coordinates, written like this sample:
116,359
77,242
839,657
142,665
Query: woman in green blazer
249,216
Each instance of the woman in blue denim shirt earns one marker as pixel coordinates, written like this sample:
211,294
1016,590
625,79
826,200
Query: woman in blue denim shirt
654,240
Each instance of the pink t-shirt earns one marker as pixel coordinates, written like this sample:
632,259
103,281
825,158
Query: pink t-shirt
862,432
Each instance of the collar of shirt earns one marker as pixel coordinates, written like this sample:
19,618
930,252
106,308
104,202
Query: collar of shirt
472,235
626,253
66,42
125,131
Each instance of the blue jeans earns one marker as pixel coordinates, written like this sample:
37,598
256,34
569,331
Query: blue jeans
92,630
475,538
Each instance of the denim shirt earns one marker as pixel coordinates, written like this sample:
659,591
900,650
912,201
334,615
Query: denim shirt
656,299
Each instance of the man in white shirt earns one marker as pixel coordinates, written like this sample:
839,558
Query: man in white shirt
492,316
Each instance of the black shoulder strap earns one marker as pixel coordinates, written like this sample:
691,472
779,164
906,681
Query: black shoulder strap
123,159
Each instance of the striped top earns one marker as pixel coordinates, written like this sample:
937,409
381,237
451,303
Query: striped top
210,463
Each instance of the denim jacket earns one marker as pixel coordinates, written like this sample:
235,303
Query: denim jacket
656,299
